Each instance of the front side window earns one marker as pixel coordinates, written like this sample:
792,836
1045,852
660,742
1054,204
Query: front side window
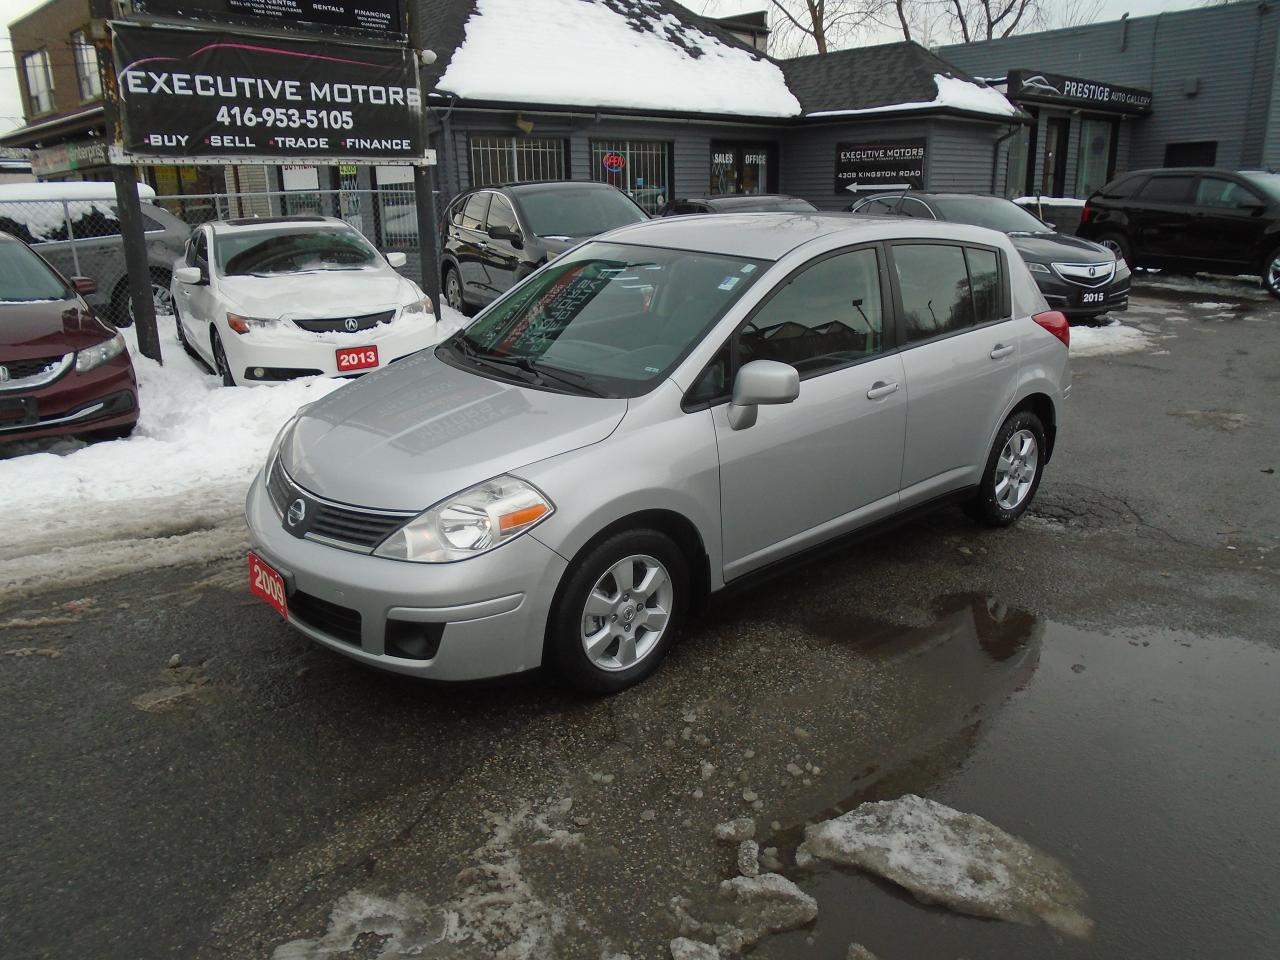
39,82
1216,192
24,277
878,207
995,213
572,212
937,298
828,316
917,209
501,214
477,207
271,252
86,57
1167,190
606,320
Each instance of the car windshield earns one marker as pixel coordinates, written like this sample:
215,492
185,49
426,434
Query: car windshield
24,277
291,251
561,211
607,320
993,212
1268,183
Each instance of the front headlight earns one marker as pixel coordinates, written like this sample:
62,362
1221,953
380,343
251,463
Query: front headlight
418,308
243,325
1036,267
99,353
470,523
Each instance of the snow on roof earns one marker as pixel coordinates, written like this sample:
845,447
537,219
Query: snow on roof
71,190
627,54
953,92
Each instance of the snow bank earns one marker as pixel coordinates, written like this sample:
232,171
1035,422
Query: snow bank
952,92
1115,337
957,859
589,53
1241,288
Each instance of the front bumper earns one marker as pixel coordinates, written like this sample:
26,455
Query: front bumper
287,353
102,399
1076,300
483,617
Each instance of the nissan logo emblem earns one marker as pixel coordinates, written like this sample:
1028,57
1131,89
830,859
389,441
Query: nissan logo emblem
4,374
351,324
297,512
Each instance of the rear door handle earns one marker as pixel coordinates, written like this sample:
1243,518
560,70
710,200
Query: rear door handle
881,389
1000,351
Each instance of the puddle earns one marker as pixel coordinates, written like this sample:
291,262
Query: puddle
1145,762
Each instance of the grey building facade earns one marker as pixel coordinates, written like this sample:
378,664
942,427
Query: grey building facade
1189,87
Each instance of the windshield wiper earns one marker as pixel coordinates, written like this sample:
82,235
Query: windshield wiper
494,361
576,380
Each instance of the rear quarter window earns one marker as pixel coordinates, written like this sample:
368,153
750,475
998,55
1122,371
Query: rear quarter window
1176,189
1124,187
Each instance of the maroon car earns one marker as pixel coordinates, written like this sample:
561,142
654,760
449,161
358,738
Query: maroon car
62,369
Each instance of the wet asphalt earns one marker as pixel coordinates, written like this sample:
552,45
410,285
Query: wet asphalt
1102,680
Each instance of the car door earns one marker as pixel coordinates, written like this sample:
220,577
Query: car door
960,359
471,244
501,258
1161,217
197,302
1229,223
830,460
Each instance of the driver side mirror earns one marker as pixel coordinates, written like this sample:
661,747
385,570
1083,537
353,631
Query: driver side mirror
397,259
192,276
761,381
84,285
506,233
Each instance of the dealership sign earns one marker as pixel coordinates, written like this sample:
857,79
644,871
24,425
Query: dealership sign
68,157
384,17
210,96
1040,87
881,165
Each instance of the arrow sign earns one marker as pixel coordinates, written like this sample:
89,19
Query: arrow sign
886,187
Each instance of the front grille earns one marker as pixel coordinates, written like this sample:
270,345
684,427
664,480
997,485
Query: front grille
1086,274
21,369
341,623
344,524
340,324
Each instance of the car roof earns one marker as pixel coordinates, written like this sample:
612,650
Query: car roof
771,236
255,223
69,190
537,184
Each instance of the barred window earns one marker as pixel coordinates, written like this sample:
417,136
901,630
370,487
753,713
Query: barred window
639,168
515,159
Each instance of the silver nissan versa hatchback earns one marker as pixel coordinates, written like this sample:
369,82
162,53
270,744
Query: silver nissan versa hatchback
659,412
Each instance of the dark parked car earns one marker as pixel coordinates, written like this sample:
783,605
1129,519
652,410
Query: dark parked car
495,236
1191,218
738,203
1079,278
62,369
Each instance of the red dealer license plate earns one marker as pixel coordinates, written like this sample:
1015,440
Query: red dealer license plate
356,358
264,582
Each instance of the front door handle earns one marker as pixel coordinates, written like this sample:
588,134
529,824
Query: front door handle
880,389
1000,351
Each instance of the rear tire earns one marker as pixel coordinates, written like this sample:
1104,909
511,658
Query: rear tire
1271,273
1118,244
1012,475
221,367
617,611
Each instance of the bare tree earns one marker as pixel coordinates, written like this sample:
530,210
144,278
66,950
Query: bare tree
805,26
986,19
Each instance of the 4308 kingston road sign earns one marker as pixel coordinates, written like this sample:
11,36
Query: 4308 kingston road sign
207,94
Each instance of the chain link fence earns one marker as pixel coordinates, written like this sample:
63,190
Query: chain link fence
81,237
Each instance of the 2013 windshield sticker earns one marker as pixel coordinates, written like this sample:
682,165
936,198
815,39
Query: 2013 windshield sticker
728,283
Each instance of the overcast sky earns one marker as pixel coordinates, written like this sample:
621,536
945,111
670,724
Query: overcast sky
11,102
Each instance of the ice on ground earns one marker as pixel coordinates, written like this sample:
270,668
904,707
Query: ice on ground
1211,305
682,948
735,831
609,53
404,921
1113,338
952,858
858,952
1241,288
747,910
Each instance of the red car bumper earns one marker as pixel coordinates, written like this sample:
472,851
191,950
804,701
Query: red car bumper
105,398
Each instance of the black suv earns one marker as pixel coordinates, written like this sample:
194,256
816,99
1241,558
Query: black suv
738,203
1079,278
495,236
1191,218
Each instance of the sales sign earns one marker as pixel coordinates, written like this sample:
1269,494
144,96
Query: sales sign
367,16
898,164
209,96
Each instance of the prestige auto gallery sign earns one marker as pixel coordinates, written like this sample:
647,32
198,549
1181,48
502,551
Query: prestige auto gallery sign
1041,87
881,165
202,94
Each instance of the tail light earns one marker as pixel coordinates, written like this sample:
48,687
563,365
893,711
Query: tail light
1086,213
1056,323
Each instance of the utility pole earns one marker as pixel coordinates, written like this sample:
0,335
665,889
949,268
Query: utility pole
425,201
128,207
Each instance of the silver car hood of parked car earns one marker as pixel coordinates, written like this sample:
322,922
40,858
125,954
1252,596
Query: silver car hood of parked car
410,435
320,293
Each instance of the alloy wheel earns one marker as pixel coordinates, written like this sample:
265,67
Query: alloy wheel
453,290
626,613
1016,469
161,298
1273,274
1116,250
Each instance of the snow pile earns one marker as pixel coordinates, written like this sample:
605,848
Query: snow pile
1241,288
952,92
400,920
748,910
957,859
620,53
1113,338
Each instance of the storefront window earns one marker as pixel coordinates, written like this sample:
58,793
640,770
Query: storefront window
742,168
514,159
1095,155
639,168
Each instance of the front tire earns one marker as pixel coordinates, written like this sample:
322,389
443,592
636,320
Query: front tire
1271,273
1013,472
451,284
221,367
618,610
1118,244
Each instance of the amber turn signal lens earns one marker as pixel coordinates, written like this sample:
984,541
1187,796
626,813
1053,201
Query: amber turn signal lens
521,518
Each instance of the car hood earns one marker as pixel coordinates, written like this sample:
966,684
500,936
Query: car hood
408,436
1059,248
48,328
322,294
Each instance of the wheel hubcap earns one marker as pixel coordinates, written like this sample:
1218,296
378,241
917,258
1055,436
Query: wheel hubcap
626,613
453,292
1016,469
1114,248
1273,273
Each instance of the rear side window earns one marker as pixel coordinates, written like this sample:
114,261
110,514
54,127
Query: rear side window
946,288
1124,187
1167,190
877,207
1217,192
474,212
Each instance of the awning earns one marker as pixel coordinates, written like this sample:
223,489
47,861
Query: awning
55,129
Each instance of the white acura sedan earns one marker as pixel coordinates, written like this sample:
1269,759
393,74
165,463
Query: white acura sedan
269,299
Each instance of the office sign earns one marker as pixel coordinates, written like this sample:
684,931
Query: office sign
880,165
209,96
1040,87
385,17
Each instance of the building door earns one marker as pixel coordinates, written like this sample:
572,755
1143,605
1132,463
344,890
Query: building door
1054,179
743,168
1097,149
